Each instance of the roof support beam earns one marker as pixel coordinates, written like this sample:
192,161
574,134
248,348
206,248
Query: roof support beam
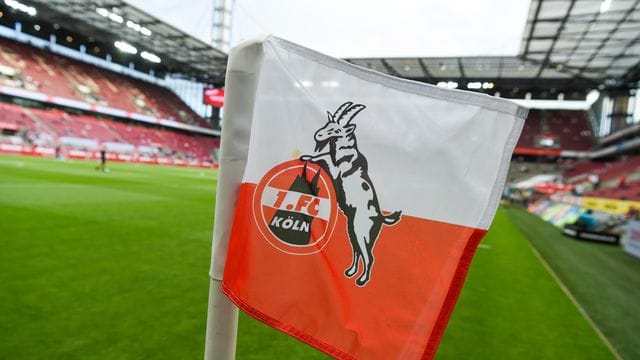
611,32
389,68
545,62
633,74
585,17
461,68
425,71
535,18
579,34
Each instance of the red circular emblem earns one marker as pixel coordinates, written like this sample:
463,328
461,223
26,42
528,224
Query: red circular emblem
295,207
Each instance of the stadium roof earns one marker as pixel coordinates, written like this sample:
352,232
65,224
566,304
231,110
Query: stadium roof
568,46
511,76
179,51
593,39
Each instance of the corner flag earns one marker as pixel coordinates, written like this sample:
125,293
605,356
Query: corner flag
351,203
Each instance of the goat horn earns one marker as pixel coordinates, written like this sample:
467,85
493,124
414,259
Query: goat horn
330,117
342,108
350,113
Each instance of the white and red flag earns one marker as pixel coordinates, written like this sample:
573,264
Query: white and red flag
350,203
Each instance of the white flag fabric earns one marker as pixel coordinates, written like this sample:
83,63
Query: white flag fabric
350,203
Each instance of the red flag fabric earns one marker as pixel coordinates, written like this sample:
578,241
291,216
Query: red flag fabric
350,203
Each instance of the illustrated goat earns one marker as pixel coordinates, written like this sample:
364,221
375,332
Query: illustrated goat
354,190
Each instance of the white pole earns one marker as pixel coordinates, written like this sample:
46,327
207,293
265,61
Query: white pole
242,68
222,325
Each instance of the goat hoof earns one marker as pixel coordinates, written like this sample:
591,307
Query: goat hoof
362,280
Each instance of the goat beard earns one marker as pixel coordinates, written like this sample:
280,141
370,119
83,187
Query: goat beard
321,145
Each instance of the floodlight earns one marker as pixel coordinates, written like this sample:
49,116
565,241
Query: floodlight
150,57
116,18
30,10
125,47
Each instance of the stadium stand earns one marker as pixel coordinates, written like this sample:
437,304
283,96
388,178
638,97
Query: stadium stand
520,169
580,170
547,138
52,127
42,124
619,179
33,69
557,129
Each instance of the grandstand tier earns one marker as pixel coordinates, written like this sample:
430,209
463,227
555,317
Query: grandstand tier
618,179
54,127
33,69
556,130
139,118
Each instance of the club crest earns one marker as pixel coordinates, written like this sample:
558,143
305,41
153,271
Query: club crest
295,207
296,202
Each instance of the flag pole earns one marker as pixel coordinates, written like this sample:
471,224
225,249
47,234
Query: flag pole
222,325
241,78
222,314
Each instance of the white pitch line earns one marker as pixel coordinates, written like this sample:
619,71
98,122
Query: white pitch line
574,301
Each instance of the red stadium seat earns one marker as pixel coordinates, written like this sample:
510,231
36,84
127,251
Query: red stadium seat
54,75
569,129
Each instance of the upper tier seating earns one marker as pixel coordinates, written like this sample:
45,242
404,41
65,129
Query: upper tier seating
569,129
34,69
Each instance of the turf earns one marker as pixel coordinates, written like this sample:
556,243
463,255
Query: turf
511,308
114,266
97,266
110,266
603,278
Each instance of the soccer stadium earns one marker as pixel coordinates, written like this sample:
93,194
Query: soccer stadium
111,118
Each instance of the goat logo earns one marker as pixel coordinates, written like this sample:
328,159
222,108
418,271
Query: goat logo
354,189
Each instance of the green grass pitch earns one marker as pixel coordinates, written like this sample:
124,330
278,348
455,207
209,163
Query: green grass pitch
114,266
604,279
